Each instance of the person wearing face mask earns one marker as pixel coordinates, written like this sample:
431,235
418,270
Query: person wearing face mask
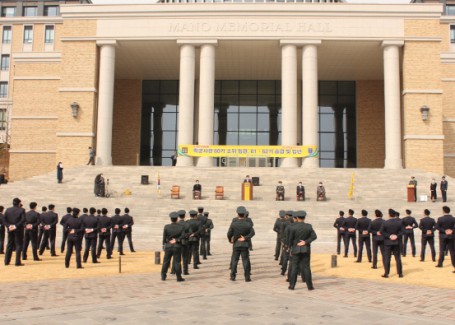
320,192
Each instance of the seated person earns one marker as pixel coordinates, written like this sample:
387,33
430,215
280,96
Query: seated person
320,192
280,191
197,188
300,191
247,179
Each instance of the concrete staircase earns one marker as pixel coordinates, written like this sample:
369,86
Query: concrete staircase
373,189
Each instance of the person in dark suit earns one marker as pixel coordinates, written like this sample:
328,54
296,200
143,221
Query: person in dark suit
41,230
349,224
117,224
205,238
127,227
378,238
239,233
14,222
341,232
90,226
392,230
104,235
444,185
446,225
285,253
276,228
75,230
413,182
409,223
427,225
279,191
65,232
194,234
301,235
208,233
363,226
247,179
49,222
433,192
300,190
2,230
173,233
60,172
197,189
32,221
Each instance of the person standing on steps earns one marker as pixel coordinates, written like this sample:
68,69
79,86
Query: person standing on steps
444,186
91,155
60,172
276,228
433,192
194,233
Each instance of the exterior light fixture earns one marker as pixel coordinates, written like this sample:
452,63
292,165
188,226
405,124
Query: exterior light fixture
74,109
424,110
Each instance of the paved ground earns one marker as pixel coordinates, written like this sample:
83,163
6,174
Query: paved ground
208,297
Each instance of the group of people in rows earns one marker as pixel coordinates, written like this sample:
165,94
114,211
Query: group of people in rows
39,230
391,236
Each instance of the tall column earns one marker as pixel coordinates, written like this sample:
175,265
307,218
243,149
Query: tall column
186,100
105,103
289,100
310,115
206,100
392,104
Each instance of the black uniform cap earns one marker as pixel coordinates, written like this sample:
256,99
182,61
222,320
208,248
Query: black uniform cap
241,210
181,212
206,213
282,213
300,214
192,212
173,215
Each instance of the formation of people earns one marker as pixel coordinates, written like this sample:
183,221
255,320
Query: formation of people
391,237
39,229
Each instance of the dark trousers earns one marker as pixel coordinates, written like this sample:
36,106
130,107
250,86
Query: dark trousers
244,252
15,239
301,262
430,241
446,243
31,236
208,244
48,235
409,236
340,237
377,244
90,244
40,236
119,236
75,242
277,248
129,234
104,238
203,247
364,241
184,259
388,251
348,237
284,260
193,252
175,253
64,238
2,239
444,195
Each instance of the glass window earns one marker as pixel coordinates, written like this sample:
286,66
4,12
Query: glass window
248,87
3,89
49,34
30,11
263,123
450,10
2,119
247,123
51,11
452,33
248,103
8,11
230,87
28,34
6,36
233,122
169,121
5,62
232,138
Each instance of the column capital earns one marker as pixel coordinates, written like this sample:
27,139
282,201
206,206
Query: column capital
197,42
300,43
107,42
398,43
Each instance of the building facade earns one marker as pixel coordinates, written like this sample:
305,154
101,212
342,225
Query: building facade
373,86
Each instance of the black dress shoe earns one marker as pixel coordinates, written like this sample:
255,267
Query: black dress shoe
198,263
186,273
438,266
96,262
374,267
248,280
54,255
204,258
196,267
283,272
209,254
345,256
291,288
80,267
133,251
109,257
180,279
122,254
24,258
232,278
400,275
357,262
422,260
310,288
20,264
385,275
37,259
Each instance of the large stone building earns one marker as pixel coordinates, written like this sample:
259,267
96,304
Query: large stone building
373,86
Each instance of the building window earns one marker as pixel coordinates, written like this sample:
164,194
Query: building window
450,10
2,119
28,34
3,89
51,11
30,11
5,62
49,35
6,38
452,34
8,11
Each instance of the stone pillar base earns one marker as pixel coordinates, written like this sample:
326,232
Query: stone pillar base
184,161
289,162
312,162
205,162
393,164
106,161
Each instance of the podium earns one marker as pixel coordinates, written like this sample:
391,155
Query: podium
247,191
411,193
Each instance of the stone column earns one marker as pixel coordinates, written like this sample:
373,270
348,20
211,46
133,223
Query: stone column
186,100
310,114
392,104
105,103
206,100
289,99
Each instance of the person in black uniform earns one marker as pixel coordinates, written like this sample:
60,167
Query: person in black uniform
49,222
279,191
239,233
409,223
172,236
341,232
364,228
184,241
197,189
2,230
104,225
194,233
203,238
62,223
41,230
117,224
349,225
378,238
301,235
127,227
14,222
75,230
284,244
444,185
446,225
32,221
276,228
433,192
427,225
392,230
90,226
300,190
208,232
413,182
81,218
